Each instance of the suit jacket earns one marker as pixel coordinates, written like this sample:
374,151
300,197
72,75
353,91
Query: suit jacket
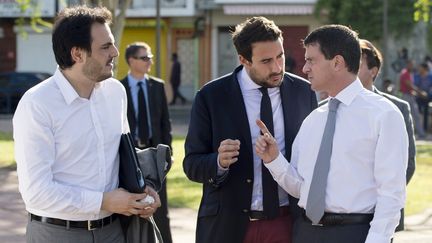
159,116
219,113
404,108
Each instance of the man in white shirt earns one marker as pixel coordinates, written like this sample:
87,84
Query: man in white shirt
364,187
67,131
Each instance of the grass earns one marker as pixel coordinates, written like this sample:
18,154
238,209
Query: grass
184,193
6,150
419,195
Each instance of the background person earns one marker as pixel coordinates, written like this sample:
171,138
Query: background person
175,80
148,116
370,65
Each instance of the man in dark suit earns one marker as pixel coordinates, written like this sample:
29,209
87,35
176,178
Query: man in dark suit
241,202
148,116
369,68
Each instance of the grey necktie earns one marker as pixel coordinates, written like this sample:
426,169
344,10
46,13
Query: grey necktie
316,199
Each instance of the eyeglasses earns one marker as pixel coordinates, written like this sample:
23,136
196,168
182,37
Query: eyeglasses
145,58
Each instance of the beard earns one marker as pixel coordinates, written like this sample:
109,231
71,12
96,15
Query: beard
268,81
95,71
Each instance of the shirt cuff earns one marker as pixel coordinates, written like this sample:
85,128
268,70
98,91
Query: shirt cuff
277,165
221,170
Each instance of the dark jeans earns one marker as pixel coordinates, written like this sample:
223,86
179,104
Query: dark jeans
423,105
177,94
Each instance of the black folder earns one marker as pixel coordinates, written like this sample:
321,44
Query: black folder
130,174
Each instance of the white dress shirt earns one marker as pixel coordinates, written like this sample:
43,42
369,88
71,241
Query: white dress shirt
368,161
66,147
252,99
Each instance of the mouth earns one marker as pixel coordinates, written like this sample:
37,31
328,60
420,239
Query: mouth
110,63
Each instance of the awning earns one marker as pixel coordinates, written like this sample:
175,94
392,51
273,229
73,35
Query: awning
268,9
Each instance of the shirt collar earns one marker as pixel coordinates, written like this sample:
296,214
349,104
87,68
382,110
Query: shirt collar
133,81
66,89
348,94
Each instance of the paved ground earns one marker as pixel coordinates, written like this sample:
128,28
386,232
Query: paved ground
13,216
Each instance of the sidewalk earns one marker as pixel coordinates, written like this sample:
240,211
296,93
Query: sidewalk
13,216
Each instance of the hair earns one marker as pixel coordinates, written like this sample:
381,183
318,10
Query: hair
132,49
337,40
425,66
174,56
255,29
372,54
72,28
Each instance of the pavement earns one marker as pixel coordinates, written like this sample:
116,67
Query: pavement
13,217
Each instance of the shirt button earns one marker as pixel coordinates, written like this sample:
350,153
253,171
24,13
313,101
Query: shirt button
248,180
245,210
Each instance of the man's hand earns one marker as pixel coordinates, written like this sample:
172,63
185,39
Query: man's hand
122,202
150,209
228,151
266,146
126,203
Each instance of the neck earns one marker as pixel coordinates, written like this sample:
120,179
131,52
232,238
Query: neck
137,75
341,83
81,84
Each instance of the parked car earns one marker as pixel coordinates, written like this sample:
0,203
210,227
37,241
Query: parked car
13,85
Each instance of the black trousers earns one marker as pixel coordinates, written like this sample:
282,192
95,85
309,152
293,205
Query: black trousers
161,216
305,232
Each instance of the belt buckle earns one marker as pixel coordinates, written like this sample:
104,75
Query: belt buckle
252,219
317,224
89,226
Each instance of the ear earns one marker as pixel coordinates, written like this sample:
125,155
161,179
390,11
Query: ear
338,63
244,61
374,72
78,55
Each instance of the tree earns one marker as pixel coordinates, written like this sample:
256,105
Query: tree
366,16
117,8
422,10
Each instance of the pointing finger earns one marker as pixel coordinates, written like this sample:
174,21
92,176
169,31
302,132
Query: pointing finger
262,127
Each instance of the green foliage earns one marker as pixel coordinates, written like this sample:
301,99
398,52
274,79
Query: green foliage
36,22
422,10
366,16
181,191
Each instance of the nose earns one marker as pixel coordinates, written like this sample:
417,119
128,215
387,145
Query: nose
279,65
306,68
115,51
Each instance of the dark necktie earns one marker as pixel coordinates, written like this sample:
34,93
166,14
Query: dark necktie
143,126
269,186
315,204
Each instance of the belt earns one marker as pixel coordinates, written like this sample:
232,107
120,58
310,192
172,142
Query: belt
260,215
89,224
330,219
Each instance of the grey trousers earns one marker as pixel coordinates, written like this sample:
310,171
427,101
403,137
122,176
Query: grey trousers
305,232
38,232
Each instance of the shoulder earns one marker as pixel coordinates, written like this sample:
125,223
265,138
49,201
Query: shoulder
156,81
378,103
218,84
297,81
397,101
124,80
